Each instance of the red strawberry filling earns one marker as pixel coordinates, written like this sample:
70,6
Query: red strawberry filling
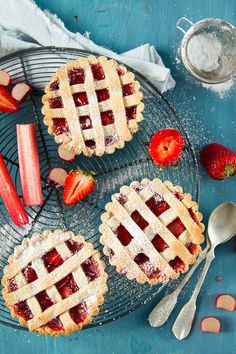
111,253
109,140
56,102
131,112
128,89
55,324
60,126
29,273
122,199
102,95
157,204
107,118
143,262
80,99
90,268
12,285
98,73
141,258
123,235
85,122
74,246
44,300
138,188
176,227
76,76
177,264
79,313
23,310
192,247
159,244
139,220
67,286
90,143
54,86
193,215
52,260
179,195
120,72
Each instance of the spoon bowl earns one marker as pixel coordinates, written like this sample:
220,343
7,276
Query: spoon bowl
222,223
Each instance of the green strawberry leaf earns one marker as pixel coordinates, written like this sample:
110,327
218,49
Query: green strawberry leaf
229,171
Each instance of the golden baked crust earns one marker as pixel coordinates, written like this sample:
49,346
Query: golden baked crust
132,199
119,131
30,252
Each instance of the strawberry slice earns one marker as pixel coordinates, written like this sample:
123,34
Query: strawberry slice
7,102
78,185
219,161
166,147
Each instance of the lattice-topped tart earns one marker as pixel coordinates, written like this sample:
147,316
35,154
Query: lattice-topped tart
151,231
54,282
92,105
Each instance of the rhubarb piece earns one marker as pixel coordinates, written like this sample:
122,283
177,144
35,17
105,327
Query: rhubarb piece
10,197
210,324
226,302
66,155
29,164
7,102
5,79
57,176
20,91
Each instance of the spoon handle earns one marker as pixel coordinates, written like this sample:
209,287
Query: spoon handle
183,322
161,312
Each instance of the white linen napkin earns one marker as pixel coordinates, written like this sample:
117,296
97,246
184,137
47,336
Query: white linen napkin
24,25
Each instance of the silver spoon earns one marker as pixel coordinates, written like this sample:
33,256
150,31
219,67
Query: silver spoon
221,228
164,308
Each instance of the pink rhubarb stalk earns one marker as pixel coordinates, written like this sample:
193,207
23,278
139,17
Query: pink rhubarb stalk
10,197
29,164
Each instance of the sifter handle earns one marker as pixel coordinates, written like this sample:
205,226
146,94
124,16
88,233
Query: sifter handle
183,19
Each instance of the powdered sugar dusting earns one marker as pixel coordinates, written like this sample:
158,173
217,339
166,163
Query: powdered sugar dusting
39,246
221,89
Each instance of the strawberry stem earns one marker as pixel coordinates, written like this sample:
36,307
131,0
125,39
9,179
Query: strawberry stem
229,171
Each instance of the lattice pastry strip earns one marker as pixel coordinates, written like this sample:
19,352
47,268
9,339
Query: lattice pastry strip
92,94
54,282
153,225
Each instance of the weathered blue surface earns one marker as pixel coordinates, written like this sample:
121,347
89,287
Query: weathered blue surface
122,25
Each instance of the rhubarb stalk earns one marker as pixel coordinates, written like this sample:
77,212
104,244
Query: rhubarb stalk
10,197
29,164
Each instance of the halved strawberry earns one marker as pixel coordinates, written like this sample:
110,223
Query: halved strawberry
166,147
78,185
7,102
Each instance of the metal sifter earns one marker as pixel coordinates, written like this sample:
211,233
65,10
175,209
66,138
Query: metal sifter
225,34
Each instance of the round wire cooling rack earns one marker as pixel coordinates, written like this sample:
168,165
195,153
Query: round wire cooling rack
36,66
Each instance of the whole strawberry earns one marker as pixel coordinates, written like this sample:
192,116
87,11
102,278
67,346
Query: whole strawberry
219,161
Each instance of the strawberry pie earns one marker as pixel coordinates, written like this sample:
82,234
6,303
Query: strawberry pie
54,282
92,106
151,231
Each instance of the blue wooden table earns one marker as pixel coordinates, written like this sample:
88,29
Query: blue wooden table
122,25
